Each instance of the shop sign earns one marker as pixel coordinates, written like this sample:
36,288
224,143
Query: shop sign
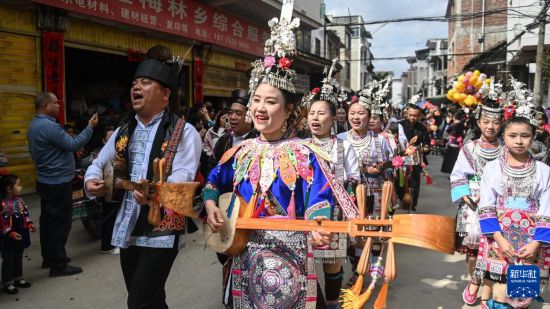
198,76
52,53
187,18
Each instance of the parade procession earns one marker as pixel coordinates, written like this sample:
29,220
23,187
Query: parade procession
274,154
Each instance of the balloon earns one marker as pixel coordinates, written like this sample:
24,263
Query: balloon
477,95
469,89
460,88
477,72
466,80
468,74
482,77
487,81
478,85
457,97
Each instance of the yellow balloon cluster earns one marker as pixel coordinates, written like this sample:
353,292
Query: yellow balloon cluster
466,89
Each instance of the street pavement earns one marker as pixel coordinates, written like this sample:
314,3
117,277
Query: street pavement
425,279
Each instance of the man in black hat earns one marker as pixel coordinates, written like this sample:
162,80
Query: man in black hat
240,128
412,126
148,251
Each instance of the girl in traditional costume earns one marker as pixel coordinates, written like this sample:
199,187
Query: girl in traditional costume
465,180
514,211
321,104
371,150
277,177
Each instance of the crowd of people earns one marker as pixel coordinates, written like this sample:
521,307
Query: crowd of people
289,158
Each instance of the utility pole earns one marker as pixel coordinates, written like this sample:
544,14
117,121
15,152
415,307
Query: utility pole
537,91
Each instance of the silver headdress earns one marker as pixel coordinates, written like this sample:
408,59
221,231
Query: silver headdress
491,100
275,69
375,97
519,102
328,91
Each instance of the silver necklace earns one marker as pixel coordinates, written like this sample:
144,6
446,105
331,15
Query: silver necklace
484,152
518,181
361,145
325,143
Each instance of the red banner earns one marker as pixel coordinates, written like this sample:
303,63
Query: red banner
198,74
186,18
52,53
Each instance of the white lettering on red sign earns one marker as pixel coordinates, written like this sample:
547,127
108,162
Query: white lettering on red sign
126,1
177,8
67,1
104,7
237,29
153,20
200,16
125,13
92,5
252,34
219,22
80,3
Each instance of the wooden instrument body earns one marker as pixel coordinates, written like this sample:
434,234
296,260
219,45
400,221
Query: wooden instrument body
113,170
426,231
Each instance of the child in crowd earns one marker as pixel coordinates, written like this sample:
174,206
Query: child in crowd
15,224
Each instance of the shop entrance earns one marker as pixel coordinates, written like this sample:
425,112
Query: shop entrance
97,82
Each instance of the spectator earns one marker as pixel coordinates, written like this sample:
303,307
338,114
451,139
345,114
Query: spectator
15,224
215,132
52,149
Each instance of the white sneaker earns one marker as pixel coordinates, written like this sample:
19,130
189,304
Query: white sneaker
114,251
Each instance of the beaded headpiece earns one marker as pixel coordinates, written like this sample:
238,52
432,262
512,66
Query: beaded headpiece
328,91
490,93
375,97
519,102
280,48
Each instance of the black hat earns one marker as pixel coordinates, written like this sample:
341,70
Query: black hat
239,96
164,73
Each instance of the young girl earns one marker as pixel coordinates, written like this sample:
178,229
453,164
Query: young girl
15,224
514,208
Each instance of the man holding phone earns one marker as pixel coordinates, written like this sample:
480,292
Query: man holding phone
52,149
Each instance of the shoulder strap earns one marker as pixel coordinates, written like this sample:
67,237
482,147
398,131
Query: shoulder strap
339,165
349,209
172,146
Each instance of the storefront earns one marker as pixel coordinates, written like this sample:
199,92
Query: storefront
87,51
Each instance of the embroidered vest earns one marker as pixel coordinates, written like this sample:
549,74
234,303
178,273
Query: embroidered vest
164,132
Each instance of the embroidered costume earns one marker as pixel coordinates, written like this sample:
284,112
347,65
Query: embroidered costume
14,217
465,181
514,201
285,179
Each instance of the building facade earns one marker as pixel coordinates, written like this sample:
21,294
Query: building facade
476,28
86,52
522,52
355,53
437,67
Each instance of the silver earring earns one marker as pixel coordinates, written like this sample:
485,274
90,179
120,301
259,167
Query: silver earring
284,126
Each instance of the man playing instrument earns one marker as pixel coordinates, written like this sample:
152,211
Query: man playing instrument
148,250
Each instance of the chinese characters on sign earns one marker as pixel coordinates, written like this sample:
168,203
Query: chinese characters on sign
53,67
185,18
523,281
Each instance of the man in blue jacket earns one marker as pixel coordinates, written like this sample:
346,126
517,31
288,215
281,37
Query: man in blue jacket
52,149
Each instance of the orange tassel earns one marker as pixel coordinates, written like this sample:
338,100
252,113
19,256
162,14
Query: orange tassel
249,209
352,301
380,302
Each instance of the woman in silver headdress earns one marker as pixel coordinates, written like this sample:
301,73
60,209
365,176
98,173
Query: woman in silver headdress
280,177
321,106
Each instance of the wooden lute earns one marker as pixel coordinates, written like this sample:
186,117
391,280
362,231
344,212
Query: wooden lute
426,231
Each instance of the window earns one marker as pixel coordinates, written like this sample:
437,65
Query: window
317,47
348,70
348,40
355,31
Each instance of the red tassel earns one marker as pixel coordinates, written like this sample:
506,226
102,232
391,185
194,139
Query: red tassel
291,209
258,211
429,179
